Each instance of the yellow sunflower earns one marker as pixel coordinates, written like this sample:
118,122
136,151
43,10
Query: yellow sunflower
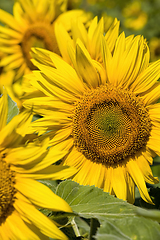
109,125
32,25
20,193
90,38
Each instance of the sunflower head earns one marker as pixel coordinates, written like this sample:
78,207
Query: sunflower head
21,162
32,25
110,125
104,113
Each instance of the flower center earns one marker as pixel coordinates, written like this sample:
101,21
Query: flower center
110,124
38,35
7,190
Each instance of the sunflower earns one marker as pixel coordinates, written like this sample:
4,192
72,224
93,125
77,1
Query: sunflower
20,193
32,25
90,38
109,125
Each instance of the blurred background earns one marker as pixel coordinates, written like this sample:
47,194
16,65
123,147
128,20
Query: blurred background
136,16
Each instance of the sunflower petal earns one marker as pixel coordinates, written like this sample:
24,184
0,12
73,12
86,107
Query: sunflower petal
41,221
41,195
3,110
119,182
85,66
138,178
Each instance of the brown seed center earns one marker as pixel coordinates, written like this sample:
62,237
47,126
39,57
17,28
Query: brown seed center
38,35
110,124
7,189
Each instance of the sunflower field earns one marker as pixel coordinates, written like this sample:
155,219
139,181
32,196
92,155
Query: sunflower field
79,120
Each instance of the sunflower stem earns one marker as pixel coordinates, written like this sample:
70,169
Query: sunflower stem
94,224
75,228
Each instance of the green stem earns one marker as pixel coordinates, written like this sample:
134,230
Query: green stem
75,228
93,228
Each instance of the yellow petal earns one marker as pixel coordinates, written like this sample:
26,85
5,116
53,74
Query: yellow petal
79,31
51,172
107,58
41,195
85,66
46,226
62,34
95,39
11,33
112,34
5,232
67,17
29,154
108,179
96,175
152,95
8,19
146,170
119,182
138,178
15,130
81,176
19,229
130,188
3,109
147,78
9,59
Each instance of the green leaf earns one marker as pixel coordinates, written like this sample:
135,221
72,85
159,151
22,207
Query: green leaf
52,184
152,214
82,225
13,110
129,229
7,5
118,218
90,201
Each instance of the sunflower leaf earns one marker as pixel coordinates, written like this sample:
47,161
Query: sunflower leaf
52,184
119,219
12,109
128,229
90,201
152,214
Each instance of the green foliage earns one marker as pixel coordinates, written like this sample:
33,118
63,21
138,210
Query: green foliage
152,214
129,229
7,5
12,109
118,219
91,202
98,215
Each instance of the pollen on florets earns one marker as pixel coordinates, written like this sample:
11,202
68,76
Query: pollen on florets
7,189
110,124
